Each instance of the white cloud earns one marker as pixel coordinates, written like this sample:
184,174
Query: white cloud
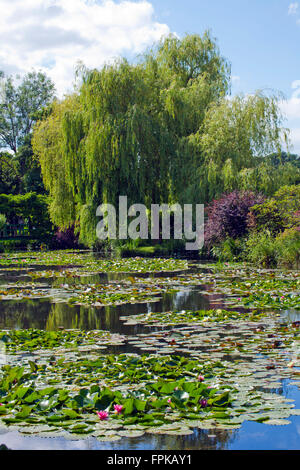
291,106
53,35
293,8
295,139
296,84
235,79
291,111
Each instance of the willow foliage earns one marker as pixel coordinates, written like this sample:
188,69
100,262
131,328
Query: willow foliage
159,131
49,143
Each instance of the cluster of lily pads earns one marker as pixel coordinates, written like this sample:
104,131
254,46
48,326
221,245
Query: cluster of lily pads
158,394
166,395
275,302
33,339
235,340
267,291
87,261
111,294
82,294
191,316
112,396
264,290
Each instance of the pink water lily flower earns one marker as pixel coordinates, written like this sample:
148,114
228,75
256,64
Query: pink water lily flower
169,400
118,409
103,415
200,378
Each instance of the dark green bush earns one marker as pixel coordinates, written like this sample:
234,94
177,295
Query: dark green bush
32,208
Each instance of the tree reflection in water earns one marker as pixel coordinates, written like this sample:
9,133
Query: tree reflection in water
43,314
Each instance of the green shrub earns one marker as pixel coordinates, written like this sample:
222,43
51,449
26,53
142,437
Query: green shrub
269,251
229,250
261,249
278,213
288,246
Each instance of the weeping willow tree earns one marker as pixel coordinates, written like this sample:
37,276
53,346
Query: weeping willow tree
266,178
49,144
160,131
127,130
194,75
234,135
103,143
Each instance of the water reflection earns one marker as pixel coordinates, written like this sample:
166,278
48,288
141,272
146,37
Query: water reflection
290,315
251,436
213,439
43,314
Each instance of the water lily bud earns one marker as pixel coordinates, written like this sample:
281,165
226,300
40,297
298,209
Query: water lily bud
118,409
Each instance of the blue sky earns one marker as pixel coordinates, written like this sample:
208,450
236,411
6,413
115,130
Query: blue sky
260,38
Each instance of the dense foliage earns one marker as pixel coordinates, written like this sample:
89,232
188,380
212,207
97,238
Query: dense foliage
262,231
279,212
32,209
21,104
65,238
161,130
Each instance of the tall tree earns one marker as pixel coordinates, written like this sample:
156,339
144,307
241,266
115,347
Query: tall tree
20,106
126,131
48,144
9,178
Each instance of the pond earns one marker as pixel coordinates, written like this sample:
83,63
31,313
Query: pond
198,355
